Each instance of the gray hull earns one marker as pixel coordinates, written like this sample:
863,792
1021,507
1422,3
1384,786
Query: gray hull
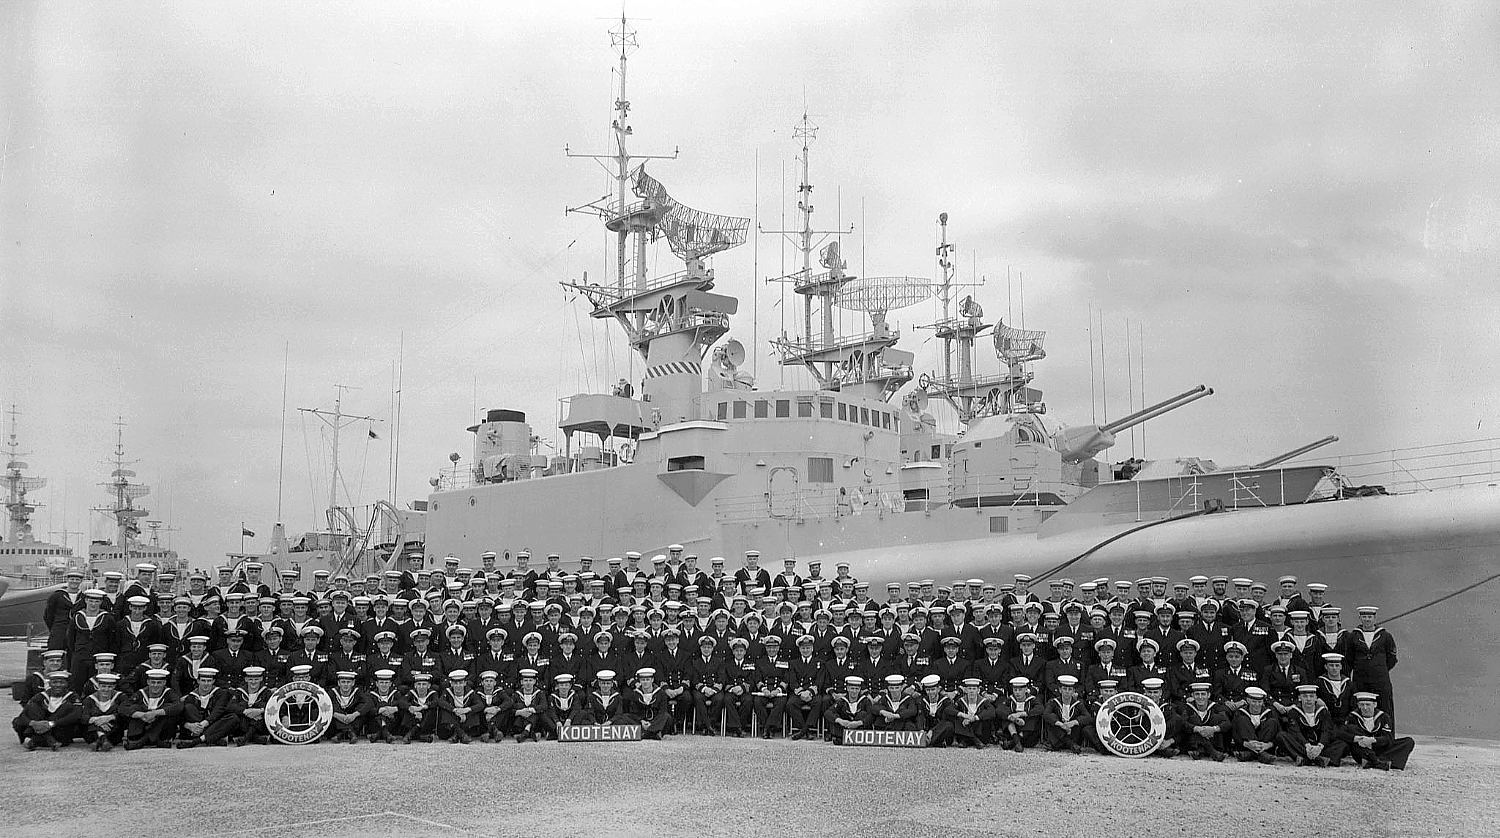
1415,556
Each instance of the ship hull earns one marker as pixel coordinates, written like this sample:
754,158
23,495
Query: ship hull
21,610
1416,556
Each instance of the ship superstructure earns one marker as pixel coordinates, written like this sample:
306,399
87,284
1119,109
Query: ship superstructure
705,457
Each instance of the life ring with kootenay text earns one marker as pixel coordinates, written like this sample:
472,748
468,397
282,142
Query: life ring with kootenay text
298,713
1130,725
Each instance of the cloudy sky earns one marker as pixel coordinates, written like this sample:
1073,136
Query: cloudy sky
1294,203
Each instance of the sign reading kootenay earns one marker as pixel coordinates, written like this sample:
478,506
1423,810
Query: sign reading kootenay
298,713
599,733
887,738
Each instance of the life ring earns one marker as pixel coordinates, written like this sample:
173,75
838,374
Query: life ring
627,453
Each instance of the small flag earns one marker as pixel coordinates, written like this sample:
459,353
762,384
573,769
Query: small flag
372,434
246,533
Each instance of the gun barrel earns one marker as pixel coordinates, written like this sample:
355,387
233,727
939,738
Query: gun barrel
1158,409
1296,452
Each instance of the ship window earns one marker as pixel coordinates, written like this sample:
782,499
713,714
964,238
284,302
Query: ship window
804,410
723,411
885,420
915,494
843,412
999,523
739,410
783,408
820,469
864,416
762,409
685,464
937,451
825,408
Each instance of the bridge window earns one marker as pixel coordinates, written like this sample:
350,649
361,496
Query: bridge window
723,411
804,409
820,469
825,408
885,420
762,408
864,416
843,412
739,410
685,464
783,408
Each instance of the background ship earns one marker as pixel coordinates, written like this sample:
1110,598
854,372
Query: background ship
38,567
853,469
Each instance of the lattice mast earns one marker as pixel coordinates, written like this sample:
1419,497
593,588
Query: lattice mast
17,506
672,320
124,492
822,287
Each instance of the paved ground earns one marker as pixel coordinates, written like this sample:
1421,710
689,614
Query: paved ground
691,786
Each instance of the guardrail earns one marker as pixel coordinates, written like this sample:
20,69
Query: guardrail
1424,467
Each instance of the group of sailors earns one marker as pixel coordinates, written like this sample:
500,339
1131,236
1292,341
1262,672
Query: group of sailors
483,654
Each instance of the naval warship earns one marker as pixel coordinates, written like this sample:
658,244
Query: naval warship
855,469
35,569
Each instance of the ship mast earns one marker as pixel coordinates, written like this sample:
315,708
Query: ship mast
125,492
17,485
336,420
971,394
671,321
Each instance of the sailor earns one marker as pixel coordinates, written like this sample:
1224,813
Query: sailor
1281,679
134,632
351,706
850,711
103,717
1372,735
706,674
606,705
1255,728
207,715
1027,663
1062,715
1018,717
87,631
1231,679
771,690
1200,726
249,705
992,668
936,713
1309,734
232,659
61,605
1187,672
141,586
1372,656
647,703
752,575
50,719
1335,688
805,682
1104,690
564,707
894,709
740,675
1107,667
1254,634
1064,665
460,717
418,709
1289,598
114,580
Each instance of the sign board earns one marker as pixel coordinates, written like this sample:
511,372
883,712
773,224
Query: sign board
1130,725
298,713
887,738
599,733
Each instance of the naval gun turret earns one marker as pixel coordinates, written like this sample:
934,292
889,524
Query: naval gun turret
1081,442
